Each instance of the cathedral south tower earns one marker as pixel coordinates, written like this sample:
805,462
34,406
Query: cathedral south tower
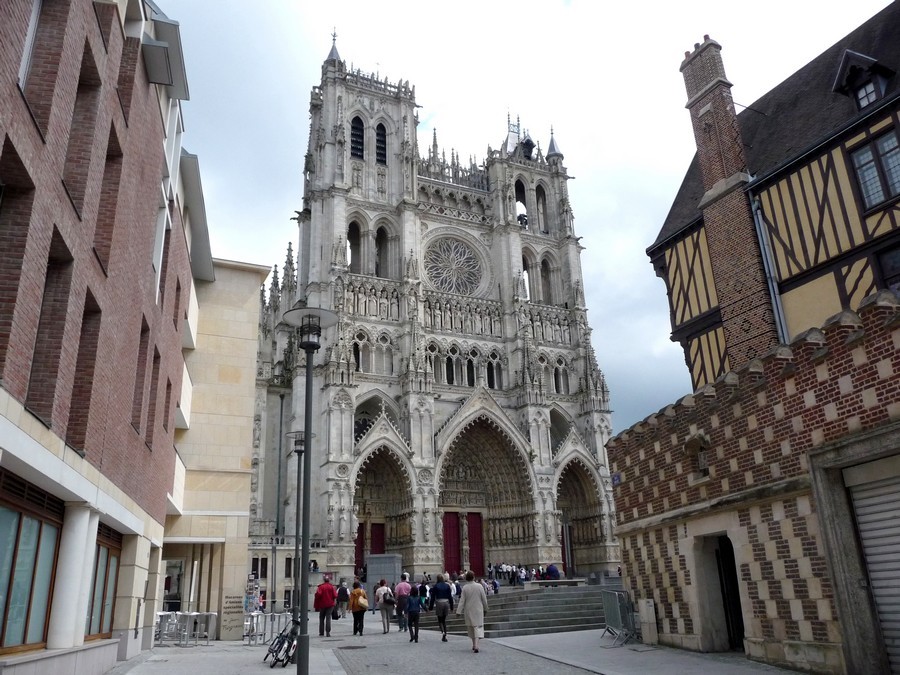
460,417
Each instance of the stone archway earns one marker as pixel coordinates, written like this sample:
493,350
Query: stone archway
486,499
581,519
384,505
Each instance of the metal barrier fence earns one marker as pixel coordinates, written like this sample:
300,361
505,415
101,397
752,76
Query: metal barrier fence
619,616
261,627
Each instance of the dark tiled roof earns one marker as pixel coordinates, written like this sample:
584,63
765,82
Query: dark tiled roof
797,114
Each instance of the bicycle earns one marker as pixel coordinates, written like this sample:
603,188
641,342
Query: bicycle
284,645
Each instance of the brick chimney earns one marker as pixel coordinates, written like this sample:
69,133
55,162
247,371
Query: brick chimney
744,300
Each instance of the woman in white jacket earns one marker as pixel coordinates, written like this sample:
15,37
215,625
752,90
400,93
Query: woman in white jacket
473,605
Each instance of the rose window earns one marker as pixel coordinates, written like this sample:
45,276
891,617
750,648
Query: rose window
452,266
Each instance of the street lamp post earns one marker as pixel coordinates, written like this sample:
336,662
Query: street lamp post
311,321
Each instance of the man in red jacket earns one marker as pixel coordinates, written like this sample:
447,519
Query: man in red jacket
323,602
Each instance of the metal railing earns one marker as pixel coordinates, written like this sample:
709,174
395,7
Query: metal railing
619,616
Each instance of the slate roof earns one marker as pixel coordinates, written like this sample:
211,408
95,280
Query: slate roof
798,114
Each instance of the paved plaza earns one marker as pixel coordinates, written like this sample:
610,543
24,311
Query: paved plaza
573,653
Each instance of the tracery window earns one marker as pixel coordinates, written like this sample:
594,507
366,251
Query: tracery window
494,379
377,358
470,368
452,266
546,285
560,377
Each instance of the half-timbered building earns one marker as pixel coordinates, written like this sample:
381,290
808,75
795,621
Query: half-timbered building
789,211
760,513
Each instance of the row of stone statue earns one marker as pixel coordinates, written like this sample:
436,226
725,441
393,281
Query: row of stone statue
452,315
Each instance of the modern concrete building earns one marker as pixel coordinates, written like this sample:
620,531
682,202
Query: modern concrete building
460,415
760,512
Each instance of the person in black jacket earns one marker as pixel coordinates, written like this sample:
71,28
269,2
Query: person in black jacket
442,603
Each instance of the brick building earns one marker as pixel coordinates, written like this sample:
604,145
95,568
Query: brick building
760,513
103,238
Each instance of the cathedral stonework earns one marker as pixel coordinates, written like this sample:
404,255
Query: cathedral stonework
460,416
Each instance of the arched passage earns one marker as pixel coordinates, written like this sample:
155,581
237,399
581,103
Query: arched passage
581,519
487,502
383,499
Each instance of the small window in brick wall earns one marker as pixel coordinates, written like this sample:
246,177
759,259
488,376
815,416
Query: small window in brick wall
696,451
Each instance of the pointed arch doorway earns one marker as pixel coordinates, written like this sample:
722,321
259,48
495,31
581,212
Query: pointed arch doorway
581,519
487,502
383,500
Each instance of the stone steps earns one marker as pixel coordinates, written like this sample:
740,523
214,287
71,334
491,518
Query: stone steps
533,612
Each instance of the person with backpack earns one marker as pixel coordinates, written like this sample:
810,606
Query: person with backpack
343,598
414,605
324,602
384,598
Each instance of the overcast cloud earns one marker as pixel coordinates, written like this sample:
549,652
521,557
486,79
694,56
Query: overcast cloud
604,76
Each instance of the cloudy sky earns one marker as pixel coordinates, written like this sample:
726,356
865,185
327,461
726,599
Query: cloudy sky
603,75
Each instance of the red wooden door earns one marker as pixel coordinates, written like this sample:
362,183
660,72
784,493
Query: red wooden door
377,538
476,544
359,558
452,558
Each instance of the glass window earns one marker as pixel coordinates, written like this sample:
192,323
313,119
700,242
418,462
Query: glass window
103,589
27,554
889,261
877,167
866,94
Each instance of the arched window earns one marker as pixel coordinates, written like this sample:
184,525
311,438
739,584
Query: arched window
546,287
384,357
449,370
432,356
354,252
521,208
494,381
543,225
380,145
357,138
381,253
362,353
561,377
470,368
527,278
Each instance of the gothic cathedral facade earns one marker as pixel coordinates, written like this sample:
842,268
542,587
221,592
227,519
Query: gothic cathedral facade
460,414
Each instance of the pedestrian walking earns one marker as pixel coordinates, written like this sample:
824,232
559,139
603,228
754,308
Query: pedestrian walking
473,606
402,592
414,605
441,603
359,603
343,597
385,600
324,602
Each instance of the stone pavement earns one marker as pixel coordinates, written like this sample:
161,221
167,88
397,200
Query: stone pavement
575,653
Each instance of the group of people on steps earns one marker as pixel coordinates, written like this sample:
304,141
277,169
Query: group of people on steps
410,600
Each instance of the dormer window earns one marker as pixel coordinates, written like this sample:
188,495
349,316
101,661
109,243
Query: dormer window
861,78
866,94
